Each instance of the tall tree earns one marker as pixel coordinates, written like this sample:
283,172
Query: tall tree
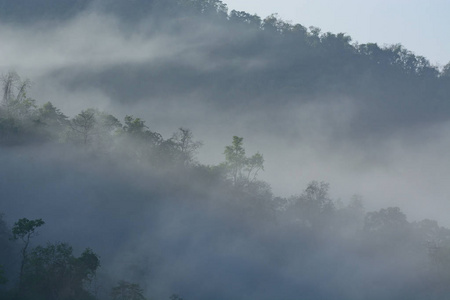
235,159
16,102
24,230
16,108
241,169
84,123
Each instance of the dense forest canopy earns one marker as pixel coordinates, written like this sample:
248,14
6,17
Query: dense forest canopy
100,201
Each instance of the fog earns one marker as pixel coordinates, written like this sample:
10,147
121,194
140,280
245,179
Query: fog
151,229
176,234
90,61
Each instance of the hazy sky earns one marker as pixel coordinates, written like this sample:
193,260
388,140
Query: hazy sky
421,26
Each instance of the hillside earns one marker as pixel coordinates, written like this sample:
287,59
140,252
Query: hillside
238,60
234,204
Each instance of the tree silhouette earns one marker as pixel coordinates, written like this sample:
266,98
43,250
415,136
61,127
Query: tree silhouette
24,230
53,272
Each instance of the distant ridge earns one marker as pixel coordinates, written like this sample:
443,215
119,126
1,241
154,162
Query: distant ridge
247,60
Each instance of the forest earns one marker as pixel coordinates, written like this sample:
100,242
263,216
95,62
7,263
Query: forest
231,218
96,203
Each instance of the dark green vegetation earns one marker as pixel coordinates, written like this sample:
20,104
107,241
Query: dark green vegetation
165,224
50,272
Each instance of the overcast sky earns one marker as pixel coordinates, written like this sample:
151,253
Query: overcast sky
422,26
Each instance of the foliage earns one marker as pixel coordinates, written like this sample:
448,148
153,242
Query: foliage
446,71
301,61
127,291
53,272
241,169
245,18
385,219
103,132
313,208
206,7
16,109
24,230
183,141
135,127
83,124
51,121
15,100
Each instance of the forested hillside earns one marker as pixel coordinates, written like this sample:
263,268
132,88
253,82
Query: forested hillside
162,222
98,200
240,60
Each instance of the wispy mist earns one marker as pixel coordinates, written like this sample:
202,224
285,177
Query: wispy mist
185,231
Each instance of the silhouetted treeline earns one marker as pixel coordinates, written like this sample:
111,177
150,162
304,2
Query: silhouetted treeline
23,122
310,246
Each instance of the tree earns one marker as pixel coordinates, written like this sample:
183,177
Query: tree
446,71
140,143
313,208
10,82
127,291
429,232
94,127
53,272
109,122
184,142
51,120
235,159
16,109
84,124
253,165
206,7
386,219
241,169
106,129
50,115
15,100
136,128
387,228
24,230
245,18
